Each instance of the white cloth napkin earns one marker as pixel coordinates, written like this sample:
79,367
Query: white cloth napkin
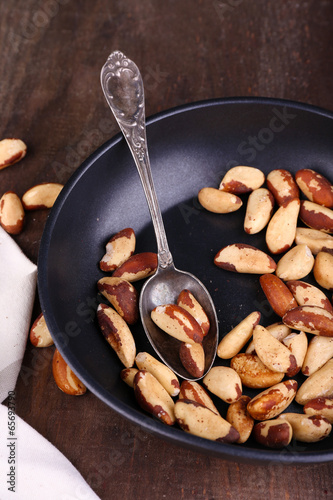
28,462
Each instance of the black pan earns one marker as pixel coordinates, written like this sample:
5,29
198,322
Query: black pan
190,147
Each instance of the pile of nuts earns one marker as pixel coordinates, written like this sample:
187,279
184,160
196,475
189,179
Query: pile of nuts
12,207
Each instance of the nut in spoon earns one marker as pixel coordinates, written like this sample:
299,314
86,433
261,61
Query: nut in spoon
123,89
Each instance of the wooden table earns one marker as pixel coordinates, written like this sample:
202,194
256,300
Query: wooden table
50,97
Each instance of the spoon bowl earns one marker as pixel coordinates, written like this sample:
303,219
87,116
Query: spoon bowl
123,89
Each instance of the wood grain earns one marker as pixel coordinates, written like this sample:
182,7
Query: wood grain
50,97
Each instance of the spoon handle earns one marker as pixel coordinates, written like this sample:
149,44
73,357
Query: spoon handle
123,89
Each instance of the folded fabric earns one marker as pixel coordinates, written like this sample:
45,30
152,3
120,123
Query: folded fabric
31,468
17,293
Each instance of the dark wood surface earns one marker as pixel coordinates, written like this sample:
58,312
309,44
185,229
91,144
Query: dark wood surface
50,96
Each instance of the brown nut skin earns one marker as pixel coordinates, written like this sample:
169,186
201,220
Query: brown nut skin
308,428
187,301
282,185
309,295
317,385
275,433
40,335
240,419
199,420
315,187
273,401
117,334
41,196
178,323
320,406
323,269
127,375
218,202
242,258
276,356
242,179
65,378
165,376
278,294
316,240
11,151
139,266
153,398
12,213
224,382
316,217
253,373
118,249
236,339
259,210
192,357
281,229
122,295
319,351
310,319
193,391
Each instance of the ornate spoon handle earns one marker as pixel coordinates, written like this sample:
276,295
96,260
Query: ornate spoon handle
123,89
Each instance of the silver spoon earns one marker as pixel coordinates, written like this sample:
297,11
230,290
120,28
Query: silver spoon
123,89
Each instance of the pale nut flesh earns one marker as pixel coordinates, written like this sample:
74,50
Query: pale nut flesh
178,323
193,391
224,382
307,294
11,213
40,335
279,330
295,264
323,270
127,375
316,240
276,433
118,249
272,401
320,406
320,350
240,419
281,229
235,340
199,420
242,179
218,202
165,376
297,343
243,258
192,357
41,196
117,334
273,353
253,373
11,151
259,209
65,378
310,319
308,428
153,398
187,301
283,186
319,384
